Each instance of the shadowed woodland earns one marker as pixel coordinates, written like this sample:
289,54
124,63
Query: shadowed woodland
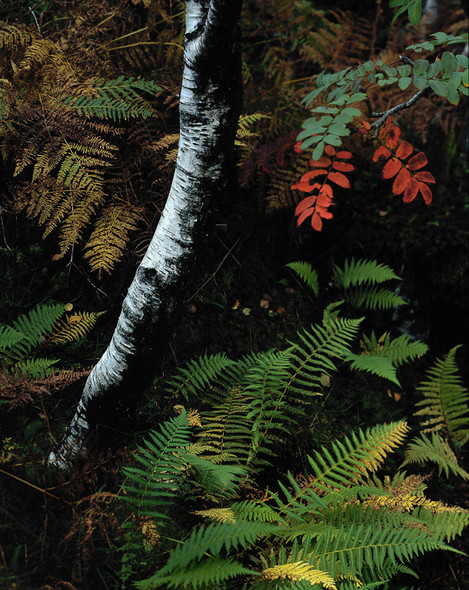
308,426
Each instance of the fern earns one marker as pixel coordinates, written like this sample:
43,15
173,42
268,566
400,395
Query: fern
73,327
397,350
117,99
299,571
355,457
362,272
151,488
37,323
436,450
306,272
445,403
200,574
198,375
311,357
214,539
35,368
376,365
107,243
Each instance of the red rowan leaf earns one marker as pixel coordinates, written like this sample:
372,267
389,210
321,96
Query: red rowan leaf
418,161
381,153
366,125
304,187
312,174
425,176
324,200
386,127
306,213
344,155
391,168
393,137
316,222
343,166
340,179
323,161
330,151
404,150
325,214
297,147
401,181
411,191
305,203
426,192
327,188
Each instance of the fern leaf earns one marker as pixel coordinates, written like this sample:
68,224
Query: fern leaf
73,327
374,298
215,538
360,272
117,99
108,241
376,365
220,480
311,358
152,487
355,456
445,403
437,450
306,272
35,368
38,322
349,550
10,340
199,374
300,571
444,522
398,350
209,573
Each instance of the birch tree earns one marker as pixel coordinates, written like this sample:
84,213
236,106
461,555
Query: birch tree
210,103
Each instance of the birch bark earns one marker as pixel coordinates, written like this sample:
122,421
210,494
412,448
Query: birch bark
210,103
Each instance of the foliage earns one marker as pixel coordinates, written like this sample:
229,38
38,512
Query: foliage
445,400
58,134
43,325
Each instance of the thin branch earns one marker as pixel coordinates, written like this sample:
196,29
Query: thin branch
399,107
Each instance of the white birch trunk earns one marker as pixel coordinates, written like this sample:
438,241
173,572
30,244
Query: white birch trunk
210,102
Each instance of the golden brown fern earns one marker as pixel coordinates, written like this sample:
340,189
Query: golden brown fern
109,238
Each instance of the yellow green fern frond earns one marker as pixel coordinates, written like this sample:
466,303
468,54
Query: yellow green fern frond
73,326
300,571
14,36
109,238
446,401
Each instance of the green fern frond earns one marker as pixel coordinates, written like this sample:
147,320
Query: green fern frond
35,368
199,375
445,403
444,522
151,489
38,322
9,339
398,350
253,510
218,480
73,327
118,99
106,244
436,450
214,539
209,573
361,272
376,365
374,298
350,550
307,273
311,357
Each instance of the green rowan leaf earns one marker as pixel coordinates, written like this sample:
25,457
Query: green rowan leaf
404,83
439,87
415,12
